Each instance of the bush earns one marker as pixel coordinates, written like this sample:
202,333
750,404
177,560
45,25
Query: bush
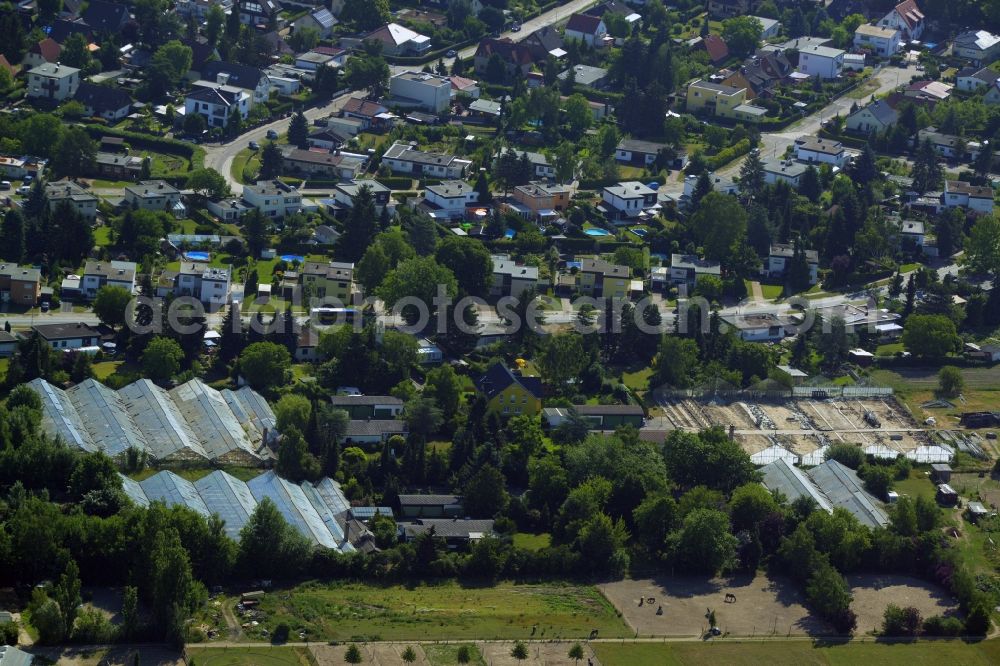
8,633
848,455
281,633
901,621
727,155
943,626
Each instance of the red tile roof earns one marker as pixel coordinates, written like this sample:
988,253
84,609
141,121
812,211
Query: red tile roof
48,48
716,48
910,13
584,24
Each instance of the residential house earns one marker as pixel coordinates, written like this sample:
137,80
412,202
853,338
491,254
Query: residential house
907,18
208,284
978,198
627,200
484,111
602,279
456,533
97,274
878,40
992,95
217,104
199,9
989,352
540,201
44,51
911,234
324,234
824,62
872,119
819,150
979,46
759,327
373,432
515,56
53,82
511,278
948,146
106,18
237,75
423,90
970,79
785,171
8,347
430,506
321,20
364,407
714,45
591,30
344,194
231,209
333,280
586,76
322,164
450,198
82,201
311,61
544,42
508,393
463,86
854,62
780,258
155,195
373,116
20,285
761,73
273,198
723,9
540,166
601,417
928,91
638,152
687,269
403,157
112,104
770,27
399,41
62,29
68,336
16,168
259,13
326,139
720,100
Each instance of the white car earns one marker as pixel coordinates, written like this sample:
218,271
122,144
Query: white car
24,189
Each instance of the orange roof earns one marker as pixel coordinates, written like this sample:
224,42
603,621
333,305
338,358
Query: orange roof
48,48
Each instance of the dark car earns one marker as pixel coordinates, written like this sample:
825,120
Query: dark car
254,145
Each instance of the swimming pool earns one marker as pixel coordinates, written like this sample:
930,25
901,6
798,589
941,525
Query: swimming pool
196,256
641,233
289,258
597,232
509,234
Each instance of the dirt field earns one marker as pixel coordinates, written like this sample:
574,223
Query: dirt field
539,654
494,653
763,606
873,593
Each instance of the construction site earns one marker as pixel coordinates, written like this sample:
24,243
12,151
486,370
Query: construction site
799,428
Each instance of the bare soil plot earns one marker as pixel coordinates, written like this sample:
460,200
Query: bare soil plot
763,606
872,593
333,655
539,654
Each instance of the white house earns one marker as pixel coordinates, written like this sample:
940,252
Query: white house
216,104
974,197
237,75
82,201
273,198
907,18
153,195
781,255
687,269
403,157
627,200
511,278
421,89
344,194
539,164
53,82
636,151
979,46
109,103
588,29
824,151
450,198
97,274
970,79
912,232
208,284
758,327
874,118
779,170
68,336
824,62
228,210
879,40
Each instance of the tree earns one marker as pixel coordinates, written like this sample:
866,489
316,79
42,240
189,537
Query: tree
408,655
208,183
161,359
654,519
444,386
878,480
194,124
485,493
75,52
676,362
898,621
326,81
360,227
927,172
271,161
752,175
423,416
576,653
418,277
982,249
470,262
82,368
720,225
829,593
742,34
368,71
295,462
352,655
464,654
13,235
578,114
48,619
293,411
704,543
562,358
708,458
366,15
298,130
846,454
110,304
750,505
75,152
268,543
519,651
265,364
950,381
930,336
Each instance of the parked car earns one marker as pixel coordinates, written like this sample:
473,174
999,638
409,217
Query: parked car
272,135
254,145
24,189
44,307
451,53
4,184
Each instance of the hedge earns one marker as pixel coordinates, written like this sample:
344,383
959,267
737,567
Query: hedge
727,155
396,182
201,216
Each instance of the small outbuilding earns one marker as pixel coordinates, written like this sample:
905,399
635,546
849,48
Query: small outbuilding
941,473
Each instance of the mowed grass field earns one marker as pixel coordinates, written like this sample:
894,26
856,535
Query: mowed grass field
346,611
262,656
799,653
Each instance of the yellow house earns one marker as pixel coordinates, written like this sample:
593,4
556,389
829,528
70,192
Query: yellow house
602,279
715,99
331,280
510,394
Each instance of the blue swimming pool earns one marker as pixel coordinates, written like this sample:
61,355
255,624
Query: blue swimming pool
289,258
509,234
196,256
597,232
641,233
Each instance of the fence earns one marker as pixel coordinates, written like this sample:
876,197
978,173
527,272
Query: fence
818,392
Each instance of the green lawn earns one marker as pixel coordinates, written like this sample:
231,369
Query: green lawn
262,656
638,380
102,236
918,484
105,369
341,611
447,654
532,541
245,163
889,349
798,653
772,291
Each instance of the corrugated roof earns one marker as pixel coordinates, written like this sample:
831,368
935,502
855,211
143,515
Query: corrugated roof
294,506
327,513
792,482
172,490
108,422
842,487
60,418
229,497
156,415
211,419
134,491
